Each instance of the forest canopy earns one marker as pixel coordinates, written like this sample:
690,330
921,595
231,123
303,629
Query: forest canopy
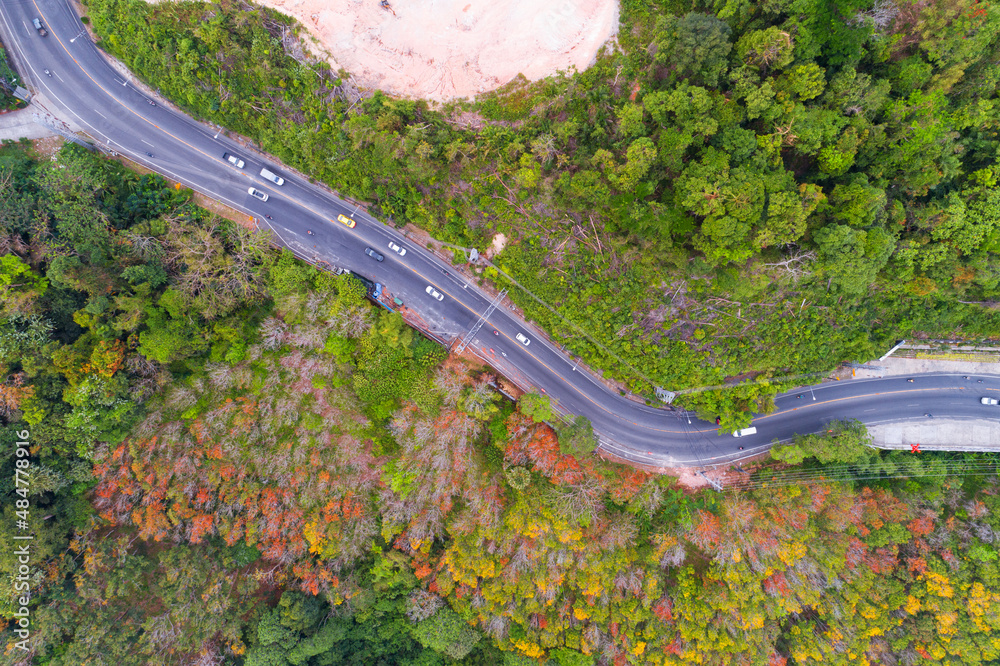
236,459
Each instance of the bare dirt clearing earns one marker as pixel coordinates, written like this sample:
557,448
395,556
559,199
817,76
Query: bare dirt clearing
443,49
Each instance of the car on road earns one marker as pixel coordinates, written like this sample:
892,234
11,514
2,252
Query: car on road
434,293
373,254
523,339
346,220
257,193
271,176
744,432
989,401
398,250
235,161
38,26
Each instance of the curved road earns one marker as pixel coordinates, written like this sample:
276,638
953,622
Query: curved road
86,88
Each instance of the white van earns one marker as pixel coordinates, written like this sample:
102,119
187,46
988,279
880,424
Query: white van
271,176
745,432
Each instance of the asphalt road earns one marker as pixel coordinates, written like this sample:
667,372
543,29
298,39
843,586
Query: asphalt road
114,112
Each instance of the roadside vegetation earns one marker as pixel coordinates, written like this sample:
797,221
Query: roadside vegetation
9,80
742,191
236,459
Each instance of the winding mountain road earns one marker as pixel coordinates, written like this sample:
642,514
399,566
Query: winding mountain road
117,114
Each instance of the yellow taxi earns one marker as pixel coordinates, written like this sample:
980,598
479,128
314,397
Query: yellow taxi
346,220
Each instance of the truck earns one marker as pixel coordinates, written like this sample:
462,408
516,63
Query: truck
271,176
38,27
234,160
373,289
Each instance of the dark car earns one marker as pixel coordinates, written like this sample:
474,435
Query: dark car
373,254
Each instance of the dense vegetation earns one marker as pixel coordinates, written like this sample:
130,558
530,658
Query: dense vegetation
236,460
9,80
738,189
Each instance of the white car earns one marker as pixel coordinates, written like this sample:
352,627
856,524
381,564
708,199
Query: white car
522,339
434,293
257,193
989,401
745,432
395,248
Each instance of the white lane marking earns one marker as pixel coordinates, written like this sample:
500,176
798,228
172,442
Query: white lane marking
146,142
100,114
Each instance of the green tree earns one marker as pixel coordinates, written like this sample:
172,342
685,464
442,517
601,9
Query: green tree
640,157
686,109
842,442
167,338
769,49
446,632
518,477
151,274
857,203
20,286
479,401
630,123
72,272
853,257
340,347
696,46
969,220
536,406
804,82
577,439
567,657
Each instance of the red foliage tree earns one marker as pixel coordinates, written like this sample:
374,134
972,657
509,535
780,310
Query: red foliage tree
706,534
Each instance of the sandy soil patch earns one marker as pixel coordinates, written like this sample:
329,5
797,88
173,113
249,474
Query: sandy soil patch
47,147
443,49
499,242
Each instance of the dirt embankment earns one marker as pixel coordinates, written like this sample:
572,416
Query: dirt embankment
444,49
